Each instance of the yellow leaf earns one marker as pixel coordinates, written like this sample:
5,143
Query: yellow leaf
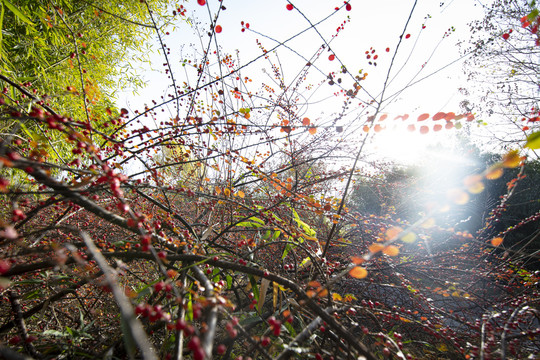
241,194
227,192
442,347
474,184
428,223
494,172
275,294
533,141
408,238
512,159
218,190
336,297
358,272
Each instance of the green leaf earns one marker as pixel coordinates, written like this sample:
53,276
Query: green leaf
533,15
54,333
249,224
286,251
254,287
289,328
533,141
229,281
276,235
17,12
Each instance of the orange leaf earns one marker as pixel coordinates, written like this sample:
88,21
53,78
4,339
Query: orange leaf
393,232
496,241
227,192
423,117
494,172
358,272
391,250
375,247
439,116
312,130
512,159
305,121
241,194
449,116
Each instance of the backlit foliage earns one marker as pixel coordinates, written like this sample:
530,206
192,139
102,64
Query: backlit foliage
222,220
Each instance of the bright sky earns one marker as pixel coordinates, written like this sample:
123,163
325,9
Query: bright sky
424,79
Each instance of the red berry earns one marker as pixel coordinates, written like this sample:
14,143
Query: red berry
201,2
331,57
290,7
218,29
159,286
348,7
506,36
221,349
14,340
265,341
194,343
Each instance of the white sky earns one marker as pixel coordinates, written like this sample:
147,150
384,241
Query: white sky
374,24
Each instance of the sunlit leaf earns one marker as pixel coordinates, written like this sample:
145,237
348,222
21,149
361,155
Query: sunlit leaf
439,116
306,121
409,237
241,194
428,223
458,196
474,184
496,241
312,130
358,272
391,250
393,232
533,141
511,159
494,172
423,117
227,192
375,247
